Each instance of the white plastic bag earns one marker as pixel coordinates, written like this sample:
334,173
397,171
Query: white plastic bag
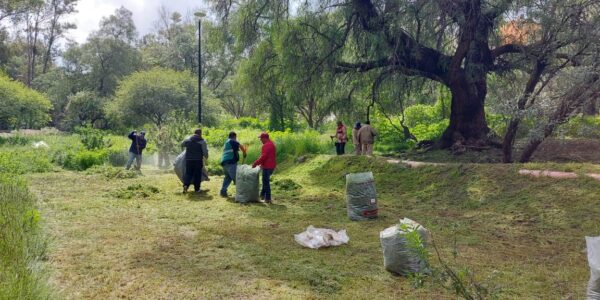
40,144
316,238
246,184
593,251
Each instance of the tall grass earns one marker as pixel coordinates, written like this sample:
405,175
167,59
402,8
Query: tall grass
289,144
21,160
22,245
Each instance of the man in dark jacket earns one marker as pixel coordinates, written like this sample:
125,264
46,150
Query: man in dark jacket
196,151
229,160
138,144
268,162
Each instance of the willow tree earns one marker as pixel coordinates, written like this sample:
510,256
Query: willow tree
452,42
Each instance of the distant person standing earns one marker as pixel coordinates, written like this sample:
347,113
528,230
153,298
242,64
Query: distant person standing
355,142
341,137
165,146
366,138
229,160
138,144
267,161
196,151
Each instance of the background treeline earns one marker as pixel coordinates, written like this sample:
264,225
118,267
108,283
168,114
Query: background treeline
305,64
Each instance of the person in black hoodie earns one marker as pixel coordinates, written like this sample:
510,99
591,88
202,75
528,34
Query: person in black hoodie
138,144
195,154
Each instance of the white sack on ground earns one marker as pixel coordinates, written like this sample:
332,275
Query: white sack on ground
398,257
40,144
246,184
593,251
316,238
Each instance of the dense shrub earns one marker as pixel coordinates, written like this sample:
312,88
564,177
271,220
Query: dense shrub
85,107
84,159
246,122
21,107
93,138
117,157
15,140
582,127
22,246
24,160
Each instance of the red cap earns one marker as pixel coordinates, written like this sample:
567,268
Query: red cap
263,135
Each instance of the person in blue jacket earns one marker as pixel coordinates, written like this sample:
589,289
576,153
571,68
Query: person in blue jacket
229,160
138,144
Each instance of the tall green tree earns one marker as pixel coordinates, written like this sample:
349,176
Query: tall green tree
152,96
21,107
455,43
108,55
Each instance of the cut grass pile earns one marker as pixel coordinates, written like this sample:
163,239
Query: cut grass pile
521,237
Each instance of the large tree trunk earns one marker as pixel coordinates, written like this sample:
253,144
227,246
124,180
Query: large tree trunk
468,127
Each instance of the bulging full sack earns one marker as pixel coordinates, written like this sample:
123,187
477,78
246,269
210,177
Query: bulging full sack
179,168
593,251
361,198
179,165
246,184
398,256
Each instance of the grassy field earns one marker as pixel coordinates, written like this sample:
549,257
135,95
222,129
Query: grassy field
141,238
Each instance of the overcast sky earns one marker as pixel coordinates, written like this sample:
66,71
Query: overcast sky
145,13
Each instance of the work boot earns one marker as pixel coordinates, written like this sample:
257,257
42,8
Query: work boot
185,189
224,194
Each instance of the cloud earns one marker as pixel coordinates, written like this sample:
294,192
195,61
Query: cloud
145,14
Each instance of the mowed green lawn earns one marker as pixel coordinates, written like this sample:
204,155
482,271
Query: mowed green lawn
522,237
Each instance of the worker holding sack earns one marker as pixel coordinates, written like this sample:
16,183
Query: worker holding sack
268,162
229,160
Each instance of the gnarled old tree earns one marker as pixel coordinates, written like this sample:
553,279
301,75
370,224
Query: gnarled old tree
453,42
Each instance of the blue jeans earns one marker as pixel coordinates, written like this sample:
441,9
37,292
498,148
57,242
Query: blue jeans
138,161
230,171
266,184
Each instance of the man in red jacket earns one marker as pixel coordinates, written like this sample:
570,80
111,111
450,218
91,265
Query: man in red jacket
267,161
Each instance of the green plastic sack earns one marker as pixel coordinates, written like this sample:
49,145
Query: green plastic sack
361,198
246,184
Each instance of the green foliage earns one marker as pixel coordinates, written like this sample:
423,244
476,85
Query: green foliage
430,132
15,140
582,127
21,160
117,157
83,108
245,122
22,246
80,160
21,107
92,138
151,96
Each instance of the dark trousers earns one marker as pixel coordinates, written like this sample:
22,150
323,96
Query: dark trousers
340,148
266,184
193,173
